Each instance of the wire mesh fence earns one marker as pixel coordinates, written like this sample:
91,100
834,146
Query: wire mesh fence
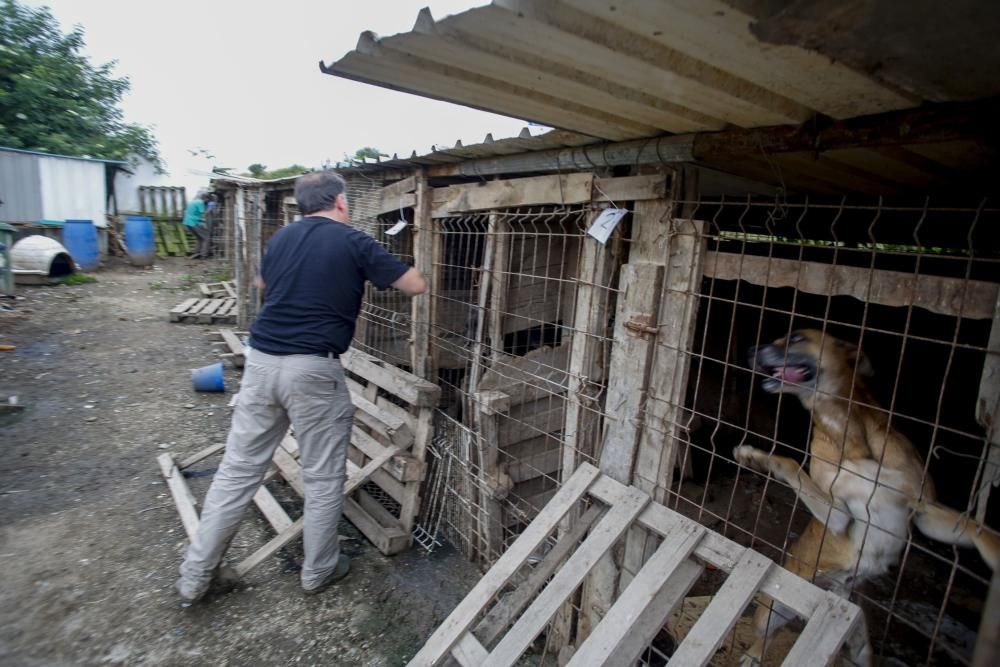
825,406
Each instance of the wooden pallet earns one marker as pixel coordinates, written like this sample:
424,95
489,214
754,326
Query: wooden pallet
225,289
172,238
386,509
232,343
646,601
205,311
286,465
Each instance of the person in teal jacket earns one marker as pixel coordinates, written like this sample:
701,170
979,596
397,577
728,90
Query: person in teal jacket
194,219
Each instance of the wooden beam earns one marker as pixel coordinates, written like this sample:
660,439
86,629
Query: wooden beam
183,498
972,299
630,188
508,193
411,389
421,307
927,124
397,203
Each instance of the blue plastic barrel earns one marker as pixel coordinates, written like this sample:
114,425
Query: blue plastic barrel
208,378
80,239
140,239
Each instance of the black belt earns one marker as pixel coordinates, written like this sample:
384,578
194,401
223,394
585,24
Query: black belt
331,355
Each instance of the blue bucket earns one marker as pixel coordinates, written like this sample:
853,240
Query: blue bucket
208,378
80,239
140,240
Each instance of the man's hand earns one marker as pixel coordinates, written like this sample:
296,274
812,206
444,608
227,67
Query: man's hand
411,283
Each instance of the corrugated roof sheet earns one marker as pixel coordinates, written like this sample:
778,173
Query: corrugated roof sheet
619,70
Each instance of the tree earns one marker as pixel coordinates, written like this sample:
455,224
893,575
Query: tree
53,99
365,153
257,170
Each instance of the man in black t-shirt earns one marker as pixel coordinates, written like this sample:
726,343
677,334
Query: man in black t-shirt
313,276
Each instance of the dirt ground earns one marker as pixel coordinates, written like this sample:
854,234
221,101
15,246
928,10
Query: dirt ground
89,537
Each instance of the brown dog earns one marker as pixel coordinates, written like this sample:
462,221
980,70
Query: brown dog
864,484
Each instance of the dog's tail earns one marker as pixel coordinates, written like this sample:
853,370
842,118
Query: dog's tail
946,525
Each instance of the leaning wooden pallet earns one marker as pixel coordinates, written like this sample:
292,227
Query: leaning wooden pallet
378,455
220,290
510,623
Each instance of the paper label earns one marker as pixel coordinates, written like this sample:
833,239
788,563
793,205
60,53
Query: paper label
396,228
606,223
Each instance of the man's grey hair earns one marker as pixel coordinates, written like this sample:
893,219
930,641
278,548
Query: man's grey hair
318,191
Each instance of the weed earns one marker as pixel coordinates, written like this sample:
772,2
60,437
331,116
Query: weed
157,284
77,279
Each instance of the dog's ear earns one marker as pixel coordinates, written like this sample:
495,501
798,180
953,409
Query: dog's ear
857,359
862,365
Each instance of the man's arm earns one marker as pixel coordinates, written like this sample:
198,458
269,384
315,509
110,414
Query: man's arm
411,283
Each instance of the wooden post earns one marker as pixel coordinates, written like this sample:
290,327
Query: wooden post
240,256
637,313
987,651
586,351
499,280
988,416
423,259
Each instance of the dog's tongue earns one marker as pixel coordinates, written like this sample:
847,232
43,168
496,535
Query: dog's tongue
795,374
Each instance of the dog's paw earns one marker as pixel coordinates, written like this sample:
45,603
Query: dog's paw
751,457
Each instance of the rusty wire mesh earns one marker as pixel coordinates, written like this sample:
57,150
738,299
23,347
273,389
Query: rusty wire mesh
525,375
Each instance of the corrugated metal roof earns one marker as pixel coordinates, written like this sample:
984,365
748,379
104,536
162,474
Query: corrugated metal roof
619,70
6,149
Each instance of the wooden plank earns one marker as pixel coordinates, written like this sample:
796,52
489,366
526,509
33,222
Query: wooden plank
409,387
232,340
388,425
973,299
290,470
205,314
183,498
422,436
630,188
640,286
397,203
655,616
503,612
201,454
509,193
272,511
180,309
464,615
408,184
824,634
517,429
372,448
388,539
469,652
625,507
987,651
605,645
708,633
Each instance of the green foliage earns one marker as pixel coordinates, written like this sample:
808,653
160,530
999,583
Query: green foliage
365,153
258,170
53,99
77,279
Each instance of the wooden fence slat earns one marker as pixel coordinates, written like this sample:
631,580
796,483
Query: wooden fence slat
464,615
704,638
183,498
824,634
624,509
604,646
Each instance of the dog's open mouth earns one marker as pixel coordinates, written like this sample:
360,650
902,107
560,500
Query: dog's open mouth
788,375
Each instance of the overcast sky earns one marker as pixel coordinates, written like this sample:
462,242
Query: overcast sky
241,79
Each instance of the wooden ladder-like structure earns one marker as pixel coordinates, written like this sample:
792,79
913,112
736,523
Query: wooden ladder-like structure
514,620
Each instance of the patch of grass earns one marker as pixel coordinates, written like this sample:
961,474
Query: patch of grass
77,279
221,276
157,284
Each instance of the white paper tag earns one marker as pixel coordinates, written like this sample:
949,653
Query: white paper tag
396,228
606,223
